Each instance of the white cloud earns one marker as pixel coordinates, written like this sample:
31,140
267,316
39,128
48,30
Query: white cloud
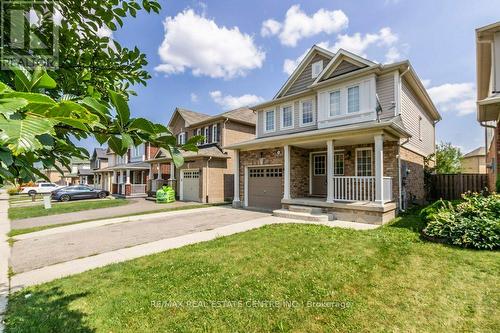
426,82
357,44
270,27
195,42
229,102
456,97
194,98
298,25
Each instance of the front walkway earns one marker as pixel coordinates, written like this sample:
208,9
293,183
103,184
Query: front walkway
136,206
49,256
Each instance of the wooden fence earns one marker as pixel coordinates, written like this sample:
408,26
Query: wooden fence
451,186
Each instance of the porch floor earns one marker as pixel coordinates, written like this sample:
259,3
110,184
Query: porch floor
354,205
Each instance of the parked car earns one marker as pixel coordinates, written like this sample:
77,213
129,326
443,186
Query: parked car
40,188
76,192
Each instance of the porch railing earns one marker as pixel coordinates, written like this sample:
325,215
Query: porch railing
137,188
359,188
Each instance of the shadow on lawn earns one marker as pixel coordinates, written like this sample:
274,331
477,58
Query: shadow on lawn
45,311
409,220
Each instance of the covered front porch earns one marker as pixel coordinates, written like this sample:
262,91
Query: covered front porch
129,181
351,176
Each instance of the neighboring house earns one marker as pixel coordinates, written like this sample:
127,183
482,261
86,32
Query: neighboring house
343,134
488,96
207,175
70,177
98,162
474,161
126,175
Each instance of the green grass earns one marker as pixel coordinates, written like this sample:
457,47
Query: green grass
16,213
16,232
379,280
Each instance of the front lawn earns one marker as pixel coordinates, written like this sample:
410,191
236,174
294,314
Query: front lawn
17,213
280,278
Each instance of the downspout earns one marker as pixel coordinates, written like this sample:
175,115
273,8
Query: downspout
206,178
400,185
486,126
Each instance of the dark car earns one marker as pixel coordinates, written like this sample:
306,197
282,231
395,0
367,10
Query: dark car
76,192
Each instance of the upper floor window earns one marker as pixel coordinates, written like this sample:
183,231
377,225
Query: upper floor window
306,112
269,121
206,134
317,67
334,103
286,117
137,151
353,99
215,133
181,138
363,162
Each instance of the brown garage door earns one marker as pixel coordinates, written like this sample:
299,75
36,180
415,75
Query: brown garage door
265,187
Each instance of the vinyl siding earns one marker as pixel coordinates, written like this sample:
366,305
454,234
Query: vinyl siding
385,92
305,79
296,118
343,68
411,110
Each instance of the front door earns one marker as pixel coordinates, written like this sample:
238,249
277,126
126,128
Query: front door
318,174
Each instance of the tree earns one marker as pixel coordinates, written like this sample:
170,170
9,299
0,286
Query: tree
448,158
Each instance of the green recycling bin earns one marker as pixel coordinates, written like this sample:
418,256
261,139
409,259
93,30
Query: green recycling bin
166,194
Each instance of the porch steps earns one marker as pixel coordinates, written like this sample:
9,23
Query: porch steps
305,209
302,215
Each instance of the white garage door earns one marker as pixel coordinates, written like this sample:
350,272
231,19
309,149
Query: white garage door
190,185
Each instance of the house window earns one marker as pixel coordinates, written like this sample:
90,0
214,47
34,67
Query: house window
269,121
137,151
339,164
353,99
206,134
319,166
334,103
181,138
306,112
317,67
198,131
286,117
364,162
215,133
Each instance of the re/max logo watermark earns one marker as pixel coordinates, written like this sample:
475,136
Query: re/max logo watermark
21,40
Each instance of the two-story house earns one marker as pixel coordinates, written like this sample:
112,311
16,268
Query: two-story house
207,175
488,97
98,162
126,175
343,134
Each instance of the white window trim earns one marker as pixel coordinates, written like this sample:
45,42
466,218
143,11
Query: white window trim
198,131
343,162
301,123
181,138
214,133
356,160
265,121
342,113
282,118
347,98
313,75
206,133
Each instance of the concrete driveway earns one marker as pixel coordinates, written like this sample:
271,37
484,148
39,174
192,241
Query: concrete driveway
33,253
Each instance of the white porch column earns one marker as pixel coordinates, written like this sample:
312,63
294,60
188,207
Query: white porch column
114,177
172,170
379,168
128,176
158,176
286,192
150,171
330,155
236,172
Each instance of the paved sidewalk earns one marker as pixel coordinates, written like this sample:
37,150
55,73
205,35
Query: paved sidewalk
136,206
4,255
49,273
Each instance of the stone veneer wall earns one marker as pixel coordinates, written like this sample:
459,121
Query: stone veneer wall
299,172
258,157
414,182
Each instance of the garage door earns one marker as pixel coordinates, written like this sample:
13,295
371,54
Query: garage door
190,185
265,187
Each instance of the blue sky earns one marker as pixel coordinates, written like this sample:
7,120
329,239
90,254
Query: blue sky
214,55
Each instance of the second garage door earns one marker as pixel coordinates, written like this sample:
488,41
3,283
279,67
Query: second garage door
190,185
265,187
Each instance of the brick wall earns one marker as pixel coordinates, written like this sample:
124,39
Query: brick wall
413,182
299,172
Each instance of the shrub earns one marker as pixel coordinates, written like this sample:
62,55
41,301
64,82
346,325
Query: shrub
474,222
13,190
